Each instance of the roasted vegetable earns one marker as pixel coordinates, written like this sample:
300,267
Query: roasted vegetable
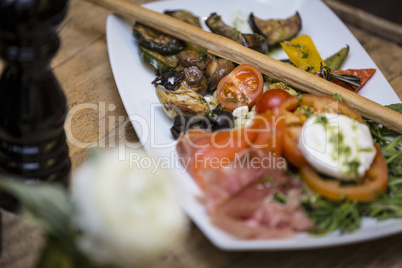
165,79
160,63
335,61
276,30
157,41
190,18
339,77
183,101
303,53
212,121
253,41
363,75
185,16
195,80
188,58
215,70
190,78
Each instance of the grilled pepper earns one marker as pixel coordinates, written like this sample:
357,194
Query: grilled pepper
303,53
335,61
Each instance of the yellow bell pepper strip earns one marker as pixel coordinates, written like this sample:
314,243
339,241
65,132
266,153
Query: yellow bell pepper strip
303,53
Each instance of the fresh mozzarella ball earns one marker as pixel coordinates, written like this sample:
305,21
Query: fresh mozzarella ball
243,116
240,115
337,146
241,112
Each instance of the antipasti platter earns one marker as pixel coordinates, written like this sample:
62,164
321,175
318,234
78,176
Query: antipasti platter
134,81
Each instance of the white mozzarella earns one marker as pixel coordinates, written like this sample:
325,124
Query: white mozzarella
212,102
337,146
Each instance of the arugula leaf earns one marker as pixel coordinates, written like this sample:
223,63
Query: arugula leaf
329,216
396,107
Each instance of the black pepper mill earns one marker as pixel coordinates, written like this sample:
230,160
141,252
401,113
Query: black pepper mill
33,106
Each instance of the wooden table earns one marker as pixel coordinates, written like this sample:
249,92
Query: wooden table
83,69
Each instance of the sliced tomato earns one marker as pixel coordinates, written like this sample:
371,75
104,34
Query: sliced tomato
363,74
271,99
375,181
268,128
243,86
201,150
375,178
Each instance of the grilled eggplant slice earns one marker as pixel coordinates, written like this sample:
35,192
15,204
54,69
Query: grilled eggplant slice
190,18
276,30
253,41
185,16
157,41
160,63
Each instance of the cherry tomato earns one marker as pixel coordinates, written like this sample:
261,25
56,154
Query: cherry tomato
243,86
271,99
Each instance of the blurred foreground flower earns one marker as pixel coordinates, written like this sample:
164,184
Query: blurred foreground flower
117,214
128,215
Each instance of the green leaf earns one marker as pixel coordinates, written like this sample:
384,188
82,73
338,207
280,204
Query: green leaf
396,107
338,96
47,205
53,255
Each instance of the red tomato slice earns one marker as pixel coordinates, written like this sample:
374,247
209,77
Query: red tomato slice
202,150
374,181
268,128
363,74
213,150
241,87
271,99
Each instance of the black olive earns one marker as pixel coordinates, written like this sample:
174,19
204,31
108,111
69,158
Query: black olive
179,125
212,121
220,119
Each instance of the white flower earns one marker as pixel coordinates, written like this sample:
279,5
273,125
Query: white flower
129,215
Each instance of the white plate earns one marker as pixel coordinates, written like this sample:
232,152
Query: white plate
133,80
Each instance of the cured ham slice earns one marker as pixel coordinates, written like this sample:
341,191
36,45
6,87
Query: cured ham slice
255,214
248,167
241,172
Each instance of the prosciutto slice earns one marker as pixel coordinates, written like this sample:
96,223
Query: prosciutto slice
255,214
249,166
240,183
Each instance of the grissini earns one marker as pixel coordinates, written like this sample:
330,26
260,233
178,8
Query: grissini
233,51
